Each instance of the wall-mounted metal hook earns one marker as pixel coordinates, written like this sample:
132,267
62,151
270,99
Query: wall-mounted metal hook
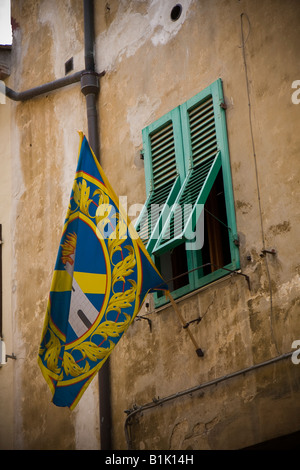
198,320
264,252
140,317
10,356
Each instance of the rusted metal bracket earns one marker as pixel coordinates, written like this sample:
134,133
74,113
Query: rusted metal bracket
140,317
198,320
198,350
264,252
10,356
235,272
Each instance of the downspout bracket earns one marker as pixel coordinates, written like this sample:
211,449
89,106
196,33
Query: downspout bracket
90,83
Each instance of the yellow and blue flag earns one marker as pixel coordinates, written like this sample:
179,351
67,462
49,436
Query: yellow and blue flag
101,277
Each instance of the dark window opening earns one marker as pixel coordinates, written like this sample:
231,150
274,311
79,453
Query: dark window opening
69,66
173,267
216,249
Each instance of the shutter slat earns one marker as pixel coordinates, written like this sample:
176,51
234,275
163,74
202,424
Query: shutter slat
163,157
210,153
203,132
159,198
162,133
205,121
204,147
207,133
164,147
201,109
163,173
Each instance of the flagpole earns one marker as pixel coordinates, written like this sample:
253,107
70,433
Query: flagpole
199,351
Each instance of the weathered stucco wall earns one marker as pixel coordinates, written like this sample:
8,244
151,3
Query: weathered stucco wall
6,371
43,157
152,65
240,327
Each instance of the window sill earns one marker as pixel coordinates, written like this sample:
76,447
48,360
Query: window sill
222,277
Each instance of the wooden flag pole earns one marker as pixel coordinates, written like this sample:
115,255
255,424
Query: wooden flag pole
199,351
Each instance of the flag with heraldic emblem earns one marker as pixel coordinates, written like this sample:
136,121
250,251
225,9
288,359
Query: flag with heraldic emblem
101,277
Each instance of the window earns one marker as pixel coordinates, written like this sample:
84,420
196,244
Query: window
189,194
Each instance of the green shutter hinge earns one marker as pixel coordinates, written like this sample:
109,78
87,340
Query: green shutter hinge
223,105
142,154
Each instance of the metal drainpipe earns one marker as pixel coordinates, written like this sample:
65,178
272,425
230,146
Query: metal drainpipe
89,79
90,88
41,89
190,391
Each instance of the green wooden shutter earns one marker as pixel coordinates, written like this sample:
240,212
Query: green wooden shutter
203,163
202,131
163,156
184,151
221,130
162,143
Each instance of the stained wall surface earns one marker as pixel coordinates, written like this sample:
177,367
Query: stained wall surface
152,65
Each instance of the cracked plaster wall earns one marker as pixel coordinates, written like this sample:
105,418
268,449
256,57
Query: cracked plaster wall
152,65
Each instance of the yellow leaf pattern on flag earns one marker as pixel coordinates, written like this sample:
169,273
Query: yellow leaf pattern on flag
71,367
92,351
53,349
81,197
122,299
124,267
117,237
103,211
111,328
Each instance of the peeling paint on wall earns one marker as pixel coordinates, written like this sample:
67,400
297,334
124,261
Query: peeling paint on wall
129,30
139,115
